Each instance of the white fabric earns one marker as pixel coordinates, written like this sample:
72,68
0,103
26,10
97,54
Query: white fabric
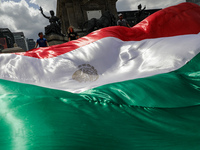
114,60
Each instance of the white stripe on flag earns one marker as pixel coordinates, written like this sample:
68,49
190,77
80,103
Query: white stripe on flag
112,59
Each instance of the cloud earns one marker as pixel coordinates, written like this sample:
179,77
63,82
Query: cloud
20,16
46,5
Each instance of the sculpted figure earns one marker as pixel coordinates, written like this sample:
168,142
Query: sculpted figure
141,14
55,25
106,20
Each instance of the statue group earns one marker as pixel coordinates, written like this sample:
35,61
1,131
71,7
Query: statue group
141,14
55,24
106,20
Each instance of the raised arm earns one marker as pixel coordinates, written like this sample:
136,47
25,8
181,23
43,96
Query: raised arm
43,13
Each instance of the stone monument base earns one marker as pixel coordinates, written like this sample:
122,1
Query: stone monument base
55,39
12,50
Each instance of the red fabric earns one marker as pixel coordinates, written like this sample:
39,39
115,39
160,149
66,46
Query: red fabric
176,20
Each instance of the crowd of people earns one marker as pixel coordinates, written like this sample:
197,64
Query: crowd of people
72,35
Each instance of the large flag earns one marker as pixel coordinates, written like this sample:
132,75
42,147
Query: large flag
118,88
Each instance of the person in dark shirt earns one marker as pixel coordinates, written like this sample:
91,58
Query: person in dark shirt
42,42
71,34
122,22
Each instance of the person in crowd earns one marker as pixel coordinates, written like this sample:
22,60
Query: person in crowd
122,22
71,34
42,42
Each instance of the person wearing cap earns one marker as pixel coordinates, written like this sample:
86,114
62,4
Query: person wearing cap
122,22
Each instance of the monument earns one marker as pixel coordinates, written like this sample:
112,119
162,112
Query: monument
53,30
76,12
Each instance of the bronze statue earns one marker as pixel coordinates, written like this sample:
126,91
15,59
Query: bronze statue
55,25
106,20
141,14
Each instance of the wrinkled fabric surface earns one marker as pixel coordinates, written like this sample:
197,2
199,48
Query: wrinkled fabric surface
152,113
158,112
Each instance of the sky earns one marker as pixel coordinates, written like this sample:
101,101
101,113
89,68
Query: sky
24,15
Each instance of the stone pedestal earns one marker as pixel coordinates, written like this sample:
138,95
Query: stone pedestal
12,50
55,39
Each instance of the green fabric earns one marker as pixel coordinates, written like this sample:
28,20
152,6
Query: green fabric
161,112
